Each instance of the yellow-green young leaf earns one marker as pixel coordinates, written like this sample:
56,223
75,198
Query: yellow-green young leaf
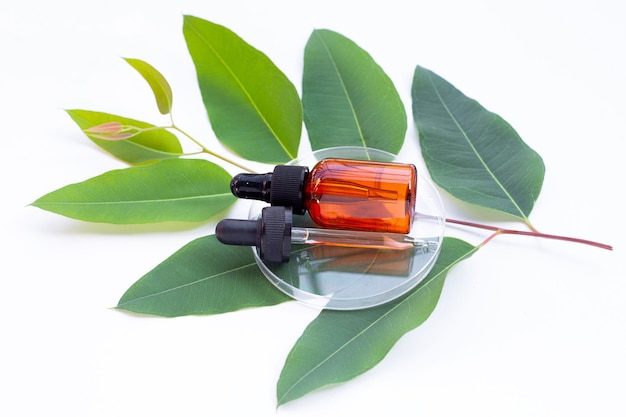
190,190
339,345
472,153
203,277
159,85
151,144
347,97
254,109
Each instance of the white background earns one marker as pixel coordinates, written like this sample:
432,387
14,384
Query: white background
527,327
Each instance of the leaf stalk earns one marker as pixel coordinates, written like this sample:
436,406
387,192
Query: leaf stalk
208,151
502,231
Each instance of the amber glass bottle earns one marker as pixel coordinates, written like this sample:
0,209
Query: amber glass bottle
340,193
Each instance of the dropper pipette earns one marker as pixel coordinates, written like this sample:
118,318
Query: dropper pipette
274,234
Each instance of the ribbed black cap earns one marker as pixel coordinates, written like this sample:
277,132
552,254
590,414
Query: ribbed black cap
276,235
287,188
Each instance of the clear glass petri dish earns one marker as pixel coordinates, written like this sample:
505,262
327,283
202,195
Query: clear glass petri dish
347,278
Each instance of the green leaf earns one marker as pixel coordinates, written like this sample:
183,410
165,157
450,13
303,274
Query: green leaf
171,190
339,345
159,85
347,97
254,109
203,277
147,146
474,154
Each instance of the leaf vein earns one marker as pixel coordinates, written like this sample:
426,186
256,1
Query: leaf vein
122,202
345,91
178,287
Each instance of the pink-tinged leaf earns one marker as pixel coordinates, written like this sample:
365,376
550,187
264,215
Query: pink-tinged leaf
148,143
109,127
112,131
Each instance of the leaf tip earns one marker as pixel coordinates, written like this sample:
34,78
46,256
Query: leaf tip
157,82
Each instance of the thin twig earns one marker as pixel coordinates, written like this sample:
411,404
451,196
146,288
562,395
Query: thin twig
500,231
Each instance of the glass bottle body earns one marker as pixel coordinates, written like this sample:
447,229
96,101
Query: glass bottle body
361,195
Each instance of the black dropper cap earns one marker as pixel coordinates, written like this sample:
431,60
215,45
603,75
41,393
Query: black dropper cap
271,233
283,187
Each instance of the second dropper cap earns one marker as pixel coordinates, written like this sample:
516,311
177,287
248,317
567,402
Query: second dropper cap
271,233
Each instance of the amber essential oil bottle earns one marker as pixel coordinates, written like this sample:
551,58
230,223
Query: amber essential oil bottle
340,193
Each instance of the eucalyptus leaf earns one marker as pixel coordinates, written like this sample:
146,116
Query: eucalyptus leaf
171,190
157,82
472,153
203,277
151,144
339,345
347,97
253,108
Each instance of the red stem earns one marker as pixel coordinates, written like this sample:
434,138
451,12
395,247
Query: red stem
500,231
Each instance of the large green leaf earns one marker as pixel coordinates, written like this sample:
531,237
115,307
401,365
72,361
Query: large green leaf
169,190
147,146
203,277
254,109
472,153
347,97
339,345
157,82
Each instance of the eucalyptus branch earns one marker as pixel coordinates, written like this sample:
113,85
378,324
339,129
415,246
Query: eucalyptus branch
502,231
208,151
204,148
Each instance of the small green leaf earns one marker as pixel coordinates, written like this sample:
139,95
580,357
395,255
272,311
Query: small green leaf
347,97
203,277
159,85
339,345
189,190
149,145
254,109
474,154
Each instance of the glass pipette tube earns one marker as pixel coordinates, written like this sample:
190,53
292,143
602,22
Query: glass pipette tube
358,239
